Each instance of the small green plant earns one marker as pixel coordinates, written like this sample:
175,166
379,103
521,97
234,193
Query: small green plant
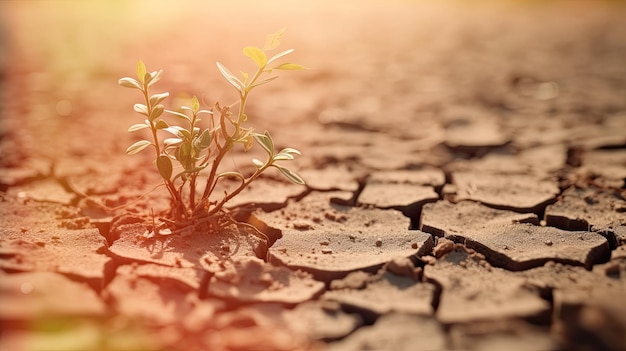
189,159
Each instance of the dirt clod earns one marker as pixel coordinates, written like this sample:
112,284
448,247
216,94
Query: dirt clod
355,280
443,247
302,225
403,266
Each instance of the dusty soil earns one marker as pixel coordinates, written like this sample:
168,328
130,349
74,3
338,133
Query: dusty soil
465,168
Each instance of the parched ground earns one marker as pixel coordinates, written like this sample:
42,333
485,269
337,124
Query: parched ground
465,166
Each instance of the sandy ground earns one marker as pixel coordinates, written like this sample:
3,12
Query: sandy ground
465,167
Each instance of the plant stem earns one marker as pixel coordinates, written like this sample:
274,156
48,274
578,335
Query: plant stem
212,180
242,186
168,182
192,191
192,182
152,125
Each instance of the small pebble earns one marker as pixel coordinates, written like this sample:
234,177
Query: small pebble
327,251
443,247
402,266
325,243
302,225
548,242
414,246
379,242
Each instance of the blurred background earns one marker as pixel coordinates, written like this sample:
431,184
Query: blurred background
396,67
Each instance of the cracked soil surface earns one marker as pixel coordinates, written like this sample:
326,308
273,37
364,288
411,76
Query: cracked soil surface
465,168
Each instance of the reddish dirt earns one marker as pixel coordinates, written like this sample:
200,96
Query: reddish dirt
465,168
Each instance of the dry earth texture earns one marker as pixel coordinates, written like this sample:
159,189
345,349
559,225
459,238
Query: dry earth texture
465,166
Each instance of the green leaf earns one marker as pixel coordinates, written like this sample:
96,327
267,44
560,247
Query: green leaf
271,141
273,40
258,163
161,124
292,176
265,141
257,55
157,98
136,127
155,77
141,108
290,150
178,114
204,140
185,157
230,77
279,55
130,83
195,104
156,112
175,130
186,134
172,142
290,67
137,146
283,157
141,71
164,165
147,78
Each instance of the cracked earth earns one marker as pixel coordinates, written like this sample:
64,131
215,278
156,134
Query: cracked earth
465,169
